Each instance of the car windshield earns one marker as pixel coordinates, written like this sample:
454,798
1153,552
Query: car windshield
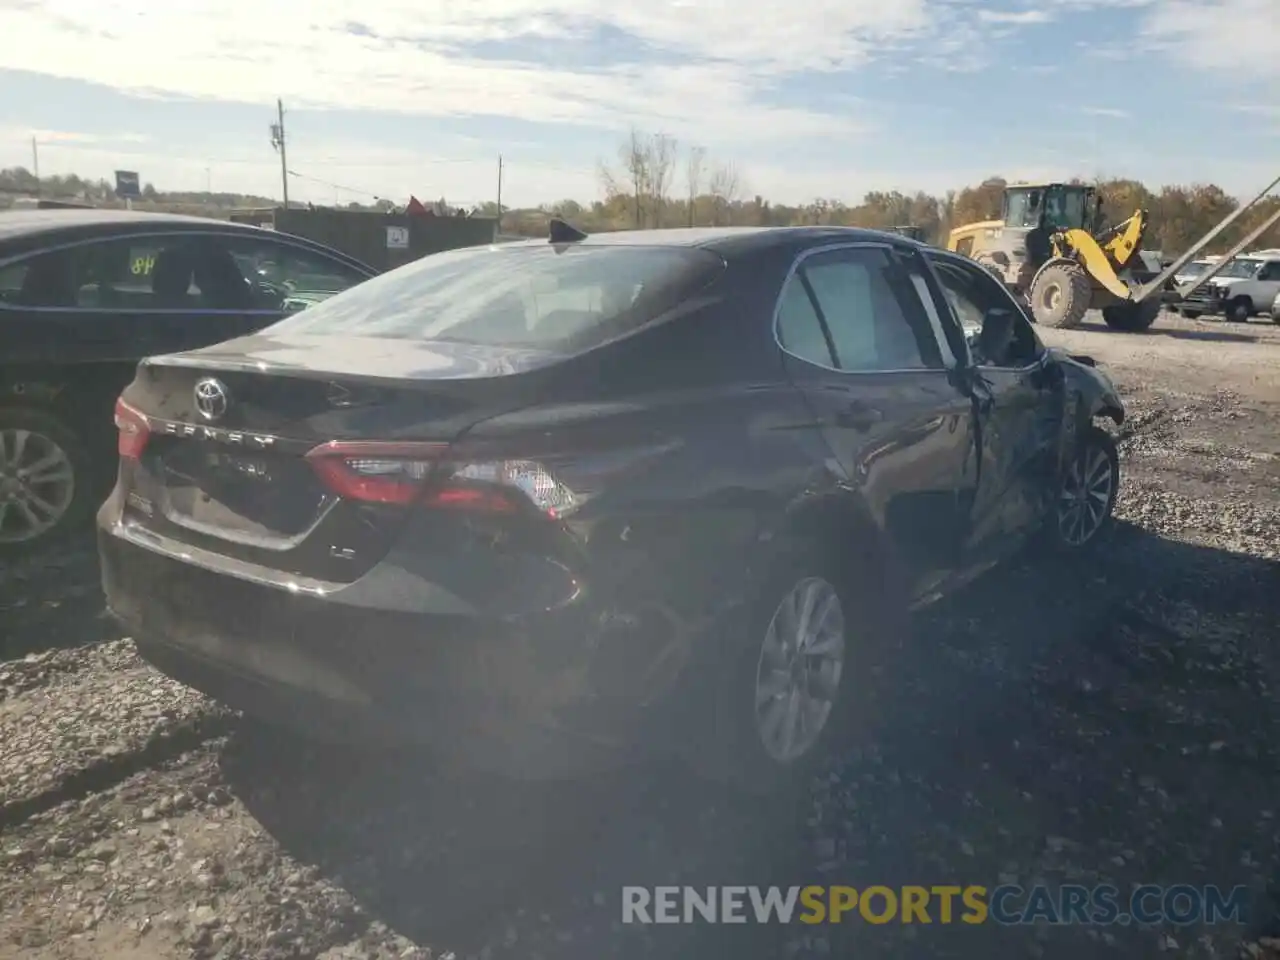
1240,269
538,296
1194,269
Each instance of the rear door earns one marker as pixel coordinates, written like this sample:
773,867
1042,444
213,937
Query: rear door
879,374
1019,410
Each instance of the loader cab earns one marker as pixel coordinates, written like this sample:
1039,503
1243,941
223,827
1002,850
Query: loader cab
1051,206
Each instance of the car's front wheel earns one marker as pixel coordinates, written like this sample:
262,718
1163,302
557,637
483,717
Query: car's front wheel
1087,496
1239,310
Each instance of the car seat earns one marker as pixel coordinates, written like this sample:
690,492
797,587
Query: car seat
49,282
171,276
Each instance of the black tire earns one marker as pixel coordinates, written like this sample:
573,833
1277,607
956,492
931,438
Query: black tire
733,752
51,432
1094,443
1238,310
1060,294
1191,314
1131,317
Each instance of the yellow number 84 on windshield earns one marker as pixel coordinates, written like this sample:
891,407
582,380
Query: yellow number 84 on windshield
142,265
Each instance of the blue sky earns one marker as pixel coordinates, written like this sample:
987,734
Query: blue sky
810,98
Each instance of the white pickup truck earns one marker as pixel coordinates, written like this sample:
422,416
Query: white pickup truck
1245,288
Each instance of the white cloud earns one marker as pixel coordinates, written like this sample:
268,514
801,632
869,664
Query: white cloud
1019,18
1112,113
390,55
1239,36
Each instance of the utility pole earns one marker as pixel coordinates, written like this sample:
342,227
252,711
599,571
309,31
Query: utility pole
35,163
278,142
499,193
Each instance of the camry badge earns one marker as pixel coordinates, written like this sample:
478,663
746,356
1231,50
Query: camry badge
211,398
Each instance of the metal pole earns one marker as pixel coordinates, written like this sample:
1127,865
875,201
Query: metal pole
499,193
1231,254
284,160
1194,250
35,163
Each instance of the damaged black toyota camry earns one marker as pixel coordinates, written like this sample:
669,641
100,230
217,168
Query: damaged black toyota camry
543,504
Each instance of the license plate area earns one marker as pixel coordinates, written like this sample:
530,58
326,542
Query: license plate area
253,493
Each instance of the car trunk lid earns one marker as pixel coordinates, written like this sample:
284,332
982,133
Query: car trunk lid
228,430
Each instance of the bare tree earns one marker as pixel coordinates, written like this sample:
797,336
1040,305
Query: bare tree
661,155
725,187
633,178
693,162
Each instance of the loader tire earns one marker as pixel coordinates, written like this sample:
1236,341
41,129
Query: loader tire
1060,294
1132,317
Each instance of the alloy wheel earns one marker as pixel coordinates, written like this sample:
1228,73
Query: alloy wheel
1086,497
37,485
799,670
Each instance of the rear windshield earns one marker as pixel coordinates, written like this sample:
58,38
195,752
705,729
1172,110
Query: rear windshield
530,296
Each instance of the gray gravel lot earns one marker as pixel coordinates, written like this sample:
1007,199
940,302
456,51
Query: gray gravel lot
1110,724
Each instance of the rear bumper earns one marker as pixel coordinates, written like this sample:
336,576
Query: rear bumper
534,697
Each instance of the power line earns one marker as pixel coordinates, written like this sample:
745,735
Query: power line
336,186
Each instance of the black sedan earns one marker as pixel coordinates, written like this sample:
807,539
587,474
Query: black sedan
85,294
540,504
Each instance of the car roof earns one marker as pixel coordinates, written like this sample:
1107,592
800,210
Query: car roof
732,240
18,223
27,229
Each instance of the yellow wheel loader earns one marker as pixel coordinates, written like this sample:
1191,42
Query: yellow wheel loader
1049,246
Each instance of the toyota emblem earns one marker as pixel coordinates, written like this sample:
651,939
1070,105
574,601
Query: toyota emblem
211,398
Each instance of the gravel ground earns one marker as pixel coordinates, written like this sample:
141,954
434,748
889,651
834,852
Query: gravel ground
1112,724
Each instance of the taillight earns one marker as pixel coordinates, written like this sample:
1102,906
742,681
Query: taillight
375,472
403,473
484,485
134,431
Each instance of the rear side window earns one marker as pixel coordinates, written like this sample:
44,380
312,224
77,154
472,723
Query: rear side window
800,329
849,310
117,274
541,297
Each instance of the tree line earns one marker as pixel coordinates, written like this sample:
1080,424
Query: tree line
653,183
656,182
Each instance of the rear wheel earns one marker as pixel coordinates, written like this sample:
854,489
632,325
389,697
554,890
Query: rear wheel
45,490
1191,314
799,676
1132,317
1060,294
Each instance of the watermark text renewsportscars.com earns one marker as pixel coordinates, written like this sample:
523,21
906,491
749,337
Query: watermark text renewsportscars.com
1007,905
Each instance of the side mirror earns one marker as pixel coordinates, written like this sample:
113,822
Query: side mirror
996,337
